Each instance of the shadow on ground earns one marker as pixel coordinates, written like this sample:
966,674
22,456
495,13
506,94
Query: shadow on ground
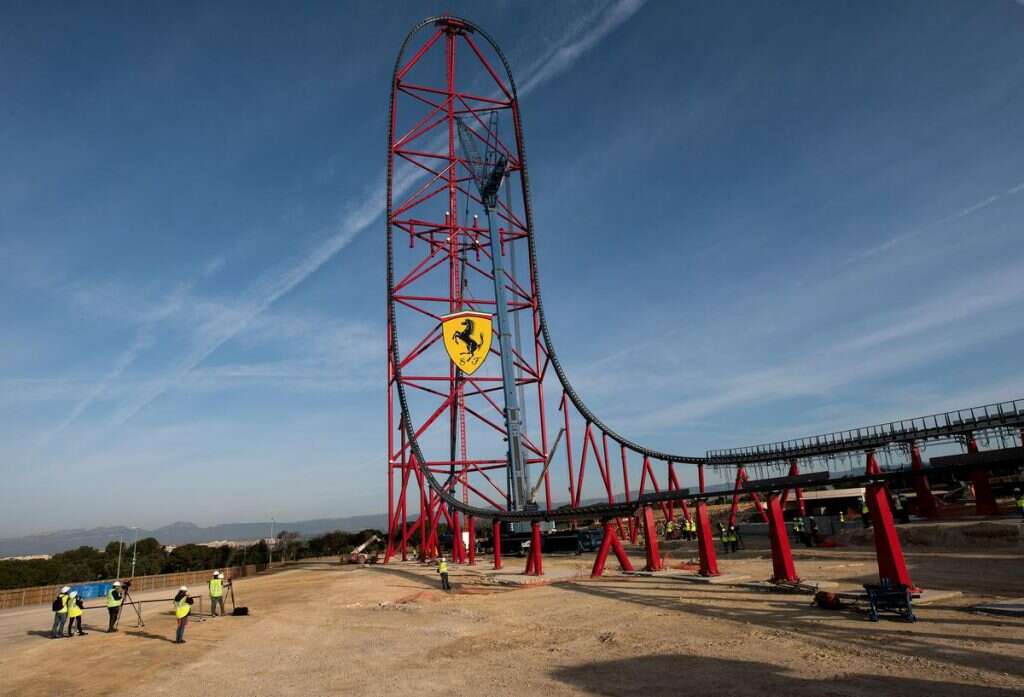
675,674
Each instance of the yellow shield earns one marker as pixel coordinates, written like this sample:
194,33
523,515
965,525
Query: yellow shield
467,338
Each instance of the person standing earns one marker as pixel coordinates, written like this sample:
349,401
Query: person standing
865,513
75,607
182,608
798,529
114,600
732,539
217,593
442,568
670,529
60,613
1019,499
842,520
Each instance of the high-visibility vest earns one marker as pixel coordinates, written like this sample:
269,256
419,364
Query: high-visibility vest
842,517
442,567
864,508
1020,503
216,588
112,601
73,609
898,503
182,608
730,536
692,525
798,525
63,604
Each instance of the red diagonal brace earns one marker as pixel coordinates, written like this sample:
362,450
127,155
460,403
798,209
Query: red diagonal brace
925,499
610,541
651,539
984,500
891,565
705,542
783,570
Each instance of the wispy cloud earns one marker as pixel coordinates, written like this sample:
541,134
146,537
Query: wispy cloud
581,39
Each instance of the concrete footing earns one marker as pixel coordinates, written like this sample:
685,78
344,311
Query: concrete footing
1008,608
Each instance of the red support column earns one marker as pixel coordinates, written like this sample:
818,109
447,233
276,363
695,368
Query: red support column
925,500
783,570
705,542
534,563
458,551
496,536
471,525
891,565
651,539
984,500
610,542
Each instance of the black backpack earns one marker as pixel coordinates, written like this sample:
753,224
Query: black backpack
58,604
240,612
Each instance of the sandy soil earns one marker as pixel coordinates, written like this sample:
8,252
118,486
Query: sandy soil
325,629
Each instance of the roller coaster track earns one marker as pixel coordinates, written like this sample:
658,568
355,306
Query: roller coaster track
409,459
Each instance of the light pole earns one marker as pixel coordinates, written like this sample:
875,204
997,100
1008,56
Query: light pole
120,547
270,549
135,548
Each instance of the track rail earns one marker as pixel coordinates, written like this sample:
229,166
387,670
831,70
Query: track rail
846,441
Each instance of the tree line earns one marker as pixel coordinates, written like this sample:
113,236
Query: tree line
90,564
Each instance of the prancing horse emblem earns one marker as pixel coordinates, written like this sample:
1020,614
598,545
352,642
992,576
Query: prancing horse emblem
467,338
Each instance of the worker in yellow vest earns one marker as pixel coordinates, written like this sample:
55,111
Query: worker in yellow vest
442,568
691,527
865,513
114,600
60,613
75,607
1019,498
217,593
182,608
670,529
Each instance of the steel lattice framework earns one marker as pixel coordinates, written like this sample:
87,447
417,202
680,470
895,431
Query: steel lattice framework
450,75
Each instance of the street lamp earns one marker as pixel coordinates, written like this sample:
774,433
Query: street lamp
135,548
120,547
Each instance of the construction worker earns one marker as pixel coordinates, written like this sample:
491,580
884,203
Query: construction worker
442,568
670,528
217,593
60,613
733,536
1019,498
723,537
865,513
902,512
842,520
75,607
798,529
182,608
114,600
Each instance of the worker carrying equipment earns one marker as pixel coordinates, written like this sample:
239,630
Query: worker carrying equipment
114,600
442,568
217,593
60,612
182,608
75,607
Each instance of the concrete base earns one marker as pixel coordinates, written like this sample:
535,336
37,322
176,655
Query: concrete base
507,578
1009,608
722,579
810,587
922,598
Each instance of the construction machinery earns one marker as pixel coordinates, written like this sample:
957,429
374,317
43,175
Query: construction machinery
359,554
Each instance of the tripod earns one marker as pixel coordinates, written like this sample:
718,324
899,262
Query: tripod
135,606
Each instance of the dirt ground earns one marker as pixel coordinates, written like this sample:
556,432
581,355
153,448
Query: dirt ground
326,629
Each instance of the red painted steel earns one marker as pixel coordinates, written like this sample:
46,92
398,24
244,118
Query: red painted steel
534,563
654,562
889,553
496,537
925,500
984,500
610,542
783,570
706,542
471,525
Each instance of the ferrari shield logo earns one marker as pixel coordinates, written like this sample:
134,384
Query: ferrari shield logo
467,338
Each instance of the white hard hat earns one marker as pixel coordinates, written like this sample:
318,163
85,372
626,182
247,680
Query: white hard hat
117,584
65,589
74,593
183,588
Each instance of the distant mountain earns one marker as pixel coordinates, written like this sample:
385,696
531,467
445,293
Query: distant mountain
180,533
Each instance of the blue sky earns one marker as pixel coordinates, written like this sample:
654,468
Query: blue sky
814,208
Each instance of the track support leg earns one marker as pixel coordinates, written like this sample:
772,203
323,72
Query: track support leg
610,542
534,564
471,527
984,499
705,542
496,536
783,570
654,562
925,500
